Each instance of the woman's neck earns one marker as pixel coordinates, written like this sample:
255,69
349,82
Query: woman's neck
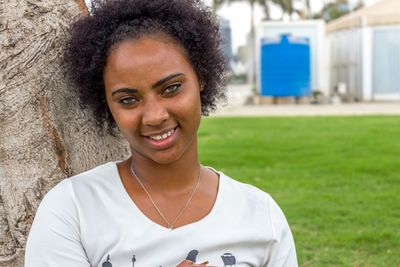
178,175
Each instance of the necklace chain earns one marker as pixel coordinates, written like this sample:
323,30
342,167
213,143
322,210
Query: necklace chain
169,224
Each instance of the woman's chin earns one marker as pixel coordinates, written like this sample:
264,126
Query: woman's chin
159,157
166,159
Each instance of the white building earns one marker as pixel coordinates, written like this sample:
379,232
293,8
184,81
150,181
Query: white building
365,52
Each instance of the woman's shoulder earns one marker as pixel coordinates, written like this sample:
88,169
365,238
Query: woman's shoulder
253,198
245,189
105,175
97,173
99,176
256,207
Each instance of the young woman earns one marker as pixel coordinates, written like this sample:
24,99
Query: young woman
152,68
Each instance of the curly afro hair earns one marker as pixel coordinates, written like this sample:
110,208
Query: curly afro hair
188,22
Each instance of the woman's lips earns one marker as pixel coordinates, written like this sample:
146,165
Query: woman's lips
162,136
164,139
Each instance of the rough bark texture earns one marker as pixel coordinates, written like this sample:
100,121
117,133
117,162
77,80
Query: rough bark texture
44,135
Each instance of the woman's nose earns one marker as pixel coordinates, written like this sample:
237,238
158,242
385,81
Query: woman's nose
154,112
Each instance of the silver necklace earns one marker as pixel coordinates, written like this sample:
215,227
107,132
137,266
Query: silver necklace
170,225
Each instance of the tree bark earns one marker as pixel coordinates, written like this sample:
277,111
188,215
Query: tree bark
44,135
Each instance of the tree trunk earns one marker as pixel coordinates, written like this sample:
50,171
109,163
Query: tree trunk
44,135
267,12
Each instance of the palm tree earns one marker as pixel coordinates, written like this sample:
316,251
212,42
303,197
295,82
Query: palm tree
286,6
334,10
215,4
305,12
307,9
265,6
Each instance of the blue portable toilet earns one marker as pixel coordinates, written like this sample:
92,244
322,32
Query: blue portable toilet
285,67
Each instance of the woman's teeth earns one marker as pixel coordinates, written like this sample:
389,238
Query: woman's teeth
162,136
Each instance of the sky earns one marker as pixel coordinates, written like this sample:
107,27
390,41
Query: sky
239,16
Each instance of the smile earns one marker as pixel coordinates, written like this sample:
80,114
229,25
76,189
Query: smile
163,136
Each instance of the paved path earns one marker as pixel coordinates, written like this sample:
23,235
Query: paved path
238,94
312,110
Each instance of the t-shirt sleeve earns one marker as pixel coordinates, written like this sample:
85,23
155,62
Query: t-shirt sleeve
282,253
54,238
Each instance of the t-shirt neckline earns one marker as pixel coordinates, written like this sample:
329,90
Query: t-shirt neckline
131,205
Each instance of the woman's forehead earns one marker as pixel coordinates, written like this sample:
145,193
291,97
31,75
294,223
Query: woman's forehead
144,61
147,50
158,36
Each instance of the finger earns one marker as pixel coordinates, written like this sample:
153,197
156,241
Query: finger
189,263
185,263
199,264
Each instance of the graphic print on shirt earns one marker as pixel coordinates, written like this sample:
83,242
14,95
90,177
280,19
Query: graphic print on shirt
133,260
228,259
192,255
107,263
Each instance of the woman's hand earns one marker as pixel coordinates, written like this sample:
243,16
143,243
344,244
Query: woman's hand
188,263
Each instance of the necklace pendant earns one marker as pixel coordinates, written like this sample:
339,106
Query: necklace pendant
170,227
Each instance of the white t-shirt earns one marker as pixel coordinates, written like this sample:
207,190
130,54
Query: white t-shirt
90,220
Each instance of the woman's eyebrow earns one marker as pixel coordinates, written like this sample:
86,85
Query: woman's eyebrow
156,84
165,79
124,90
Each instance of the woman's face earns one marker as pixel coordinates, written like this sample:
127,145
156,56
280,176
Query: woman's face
153,94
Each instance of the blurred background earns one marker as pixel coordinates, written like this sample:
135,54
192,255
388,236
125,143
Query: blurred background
311,51
293,63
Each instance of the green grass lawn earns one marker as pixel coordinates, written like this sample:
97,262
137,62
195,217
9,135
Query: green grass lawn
336,178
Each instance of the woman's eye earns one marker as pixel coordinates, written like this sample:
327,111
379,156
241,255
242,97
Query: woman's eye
171,89
128,100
